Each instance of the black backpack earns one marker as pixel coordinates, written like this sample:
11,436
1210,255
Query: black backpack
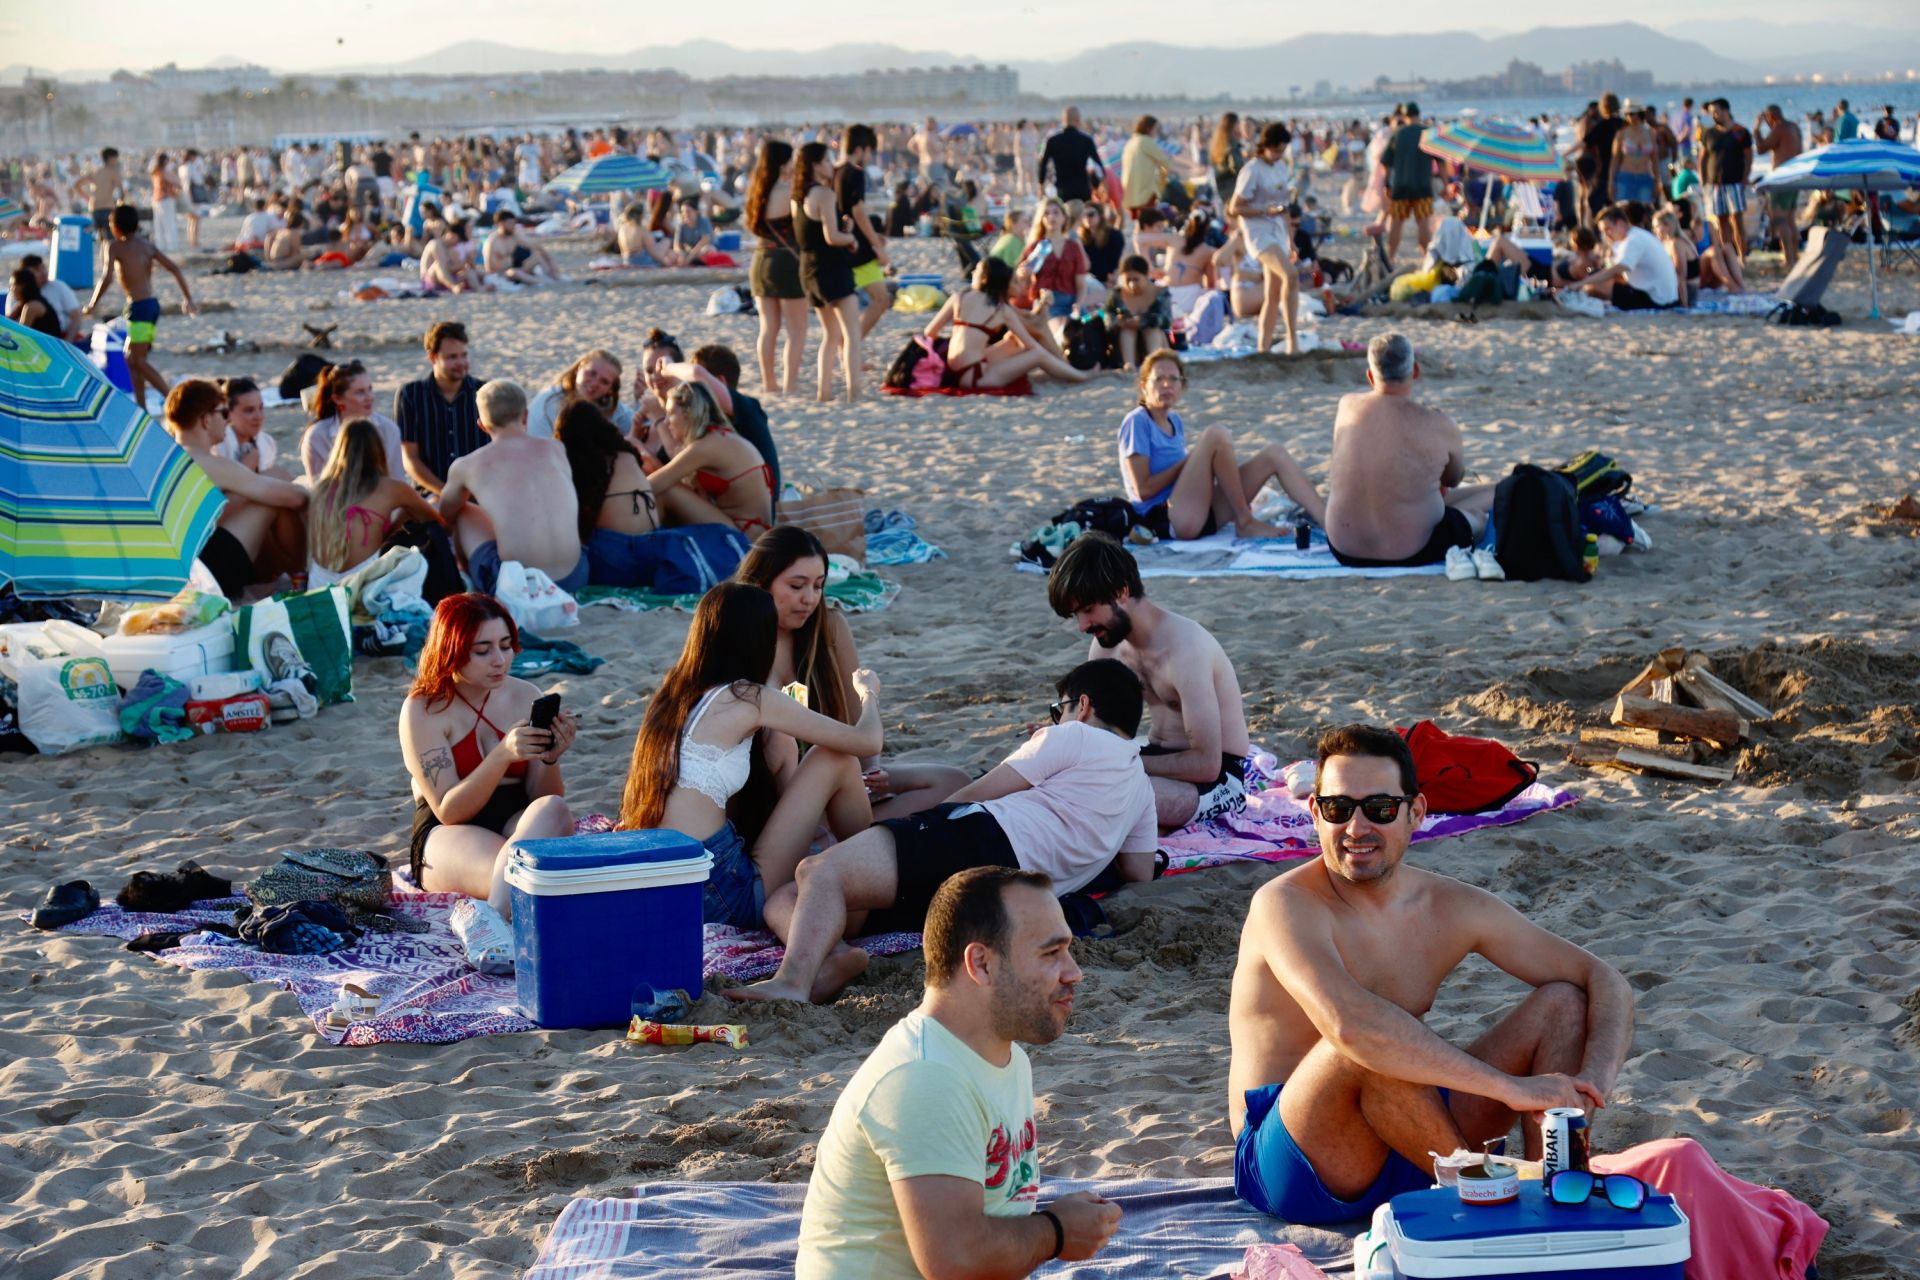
1804,315
1084,341
1536,520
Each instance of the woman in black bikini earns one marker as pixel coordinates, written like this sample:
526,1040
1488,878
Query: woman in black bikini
826,267
991,344
617,507
775,274
482,774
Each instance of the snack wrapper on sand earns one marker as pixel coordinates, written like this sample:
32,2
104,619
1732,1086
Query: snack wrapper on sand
644,1031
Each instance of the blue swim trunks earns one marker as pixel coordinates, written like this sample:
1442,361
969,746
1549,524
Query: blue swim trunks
483,566
1273,1175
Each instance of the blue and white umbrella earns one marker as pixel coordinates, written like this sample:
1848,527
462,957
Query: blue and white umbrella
615,172
1858,164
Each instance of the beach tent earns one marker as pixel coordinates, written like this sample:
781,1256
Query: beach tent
1494,147
95,496
1858,164
610,174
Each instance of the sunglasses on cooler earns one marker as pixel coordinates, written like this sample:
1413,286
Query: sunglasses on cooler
1339,809
1577,1186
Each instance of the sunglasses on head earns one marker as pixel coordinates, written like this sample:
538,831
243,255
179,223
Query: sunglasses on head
1065,706
1577,1186
1339,809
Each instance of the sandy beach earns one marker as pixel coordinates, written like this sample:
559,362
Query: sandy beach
160,1123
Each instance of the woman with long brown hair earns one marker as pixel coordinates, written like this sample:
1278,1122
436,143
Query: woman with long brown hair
815,649
1226,155
826,267
346,394
351,510
698,766
617,507
774,275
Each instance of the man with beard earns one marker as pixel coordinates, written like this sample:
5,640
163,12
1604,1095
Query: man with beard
1337,1090
928,1165
1069,802
1196,755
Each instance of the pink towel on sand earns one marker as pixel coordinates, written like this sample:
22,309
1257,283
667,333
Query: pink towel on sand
1740,1231
1277,1262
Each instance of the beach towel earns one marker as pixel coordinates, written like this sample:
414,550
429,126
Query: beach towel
859,593
1223,555
726,1229
1740,1231
891,539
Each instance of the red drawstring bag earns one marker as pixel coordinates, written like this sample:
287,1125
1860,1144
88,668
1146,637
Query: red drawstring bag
1465,775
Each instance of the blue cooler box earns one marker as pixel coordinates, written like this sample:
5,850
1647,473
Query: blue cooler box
601,919
1432,1234
71,259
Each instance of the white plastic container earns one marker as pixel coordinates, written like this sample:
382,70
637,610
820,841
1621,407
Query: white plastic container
182,656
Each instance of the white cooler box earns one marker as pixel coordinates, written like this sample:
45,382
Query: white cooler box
185,655
1431,1235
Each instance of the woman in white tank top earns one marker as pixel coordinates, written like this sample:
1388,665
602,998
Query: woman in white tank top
697,765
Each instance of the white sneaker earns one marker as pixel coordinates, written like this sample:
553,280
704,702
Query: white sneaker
487,938
1460,565
1641,540
1487,566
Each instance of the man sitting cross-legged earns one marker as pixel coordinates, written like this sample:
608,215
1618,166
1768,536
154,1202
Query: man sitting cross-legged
1337,1091
1067,802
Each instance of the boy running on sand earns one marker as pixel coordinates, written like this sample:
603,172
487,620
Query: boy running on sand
131,259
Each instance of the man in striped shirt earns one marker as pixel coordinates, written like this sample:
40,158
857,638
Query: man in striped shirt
438,415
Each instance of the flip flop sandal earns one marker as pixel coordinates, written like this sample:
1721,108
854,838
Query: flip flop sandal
355,1004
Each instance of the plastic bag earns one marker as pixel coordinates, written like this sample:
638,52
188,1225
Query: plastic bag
67,704
535,602
188,611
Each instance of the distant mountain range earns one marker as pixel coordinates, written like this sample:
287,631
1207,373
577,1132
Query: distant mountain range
1740,52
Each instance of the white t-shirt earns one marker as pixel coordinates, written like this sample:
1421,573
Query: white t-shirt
262,442
543,414
922,1105
259,226
316,446
1649,266
1264,184
1089,800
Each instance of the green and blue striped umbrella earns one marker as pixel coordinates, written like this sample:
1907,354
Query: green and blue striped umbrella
1492,146
616,171
1858,164
95,496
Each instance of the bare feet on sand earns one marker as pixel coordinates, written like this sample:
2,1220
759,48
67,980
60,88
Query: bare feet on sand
1260,529
841,967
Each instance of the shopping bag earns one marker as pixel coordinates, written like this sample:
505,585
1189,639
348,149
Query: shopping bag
533,598
323,632
838,517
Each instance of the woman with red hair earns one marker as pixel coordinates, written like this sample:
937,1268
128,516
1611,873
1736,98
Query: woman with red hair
482,774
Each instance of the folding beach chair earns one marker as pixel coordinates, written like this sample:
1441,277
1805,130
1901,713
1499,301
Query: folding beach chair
1901,247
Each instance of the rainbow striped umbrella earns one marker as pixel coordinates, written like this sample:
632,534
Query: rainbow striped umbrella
95,496
1492,146
613,172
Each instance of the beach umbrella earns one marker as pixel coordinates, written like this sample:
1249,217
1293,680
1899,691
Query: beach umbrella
95,496
1494,147
962,130
10,210
1858,164
612,173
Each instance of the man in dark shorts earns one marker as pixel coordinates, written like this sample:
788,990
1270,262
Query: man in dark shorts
1391,495
1072,800
261,511
1197,751
869,245
1067,159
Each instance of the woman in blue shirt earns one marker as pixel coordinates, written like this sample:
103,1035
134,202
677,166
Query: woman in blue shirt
1182,493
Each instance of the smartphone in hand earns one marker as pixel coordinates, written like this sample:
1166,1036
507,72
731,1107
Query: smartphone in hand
545,709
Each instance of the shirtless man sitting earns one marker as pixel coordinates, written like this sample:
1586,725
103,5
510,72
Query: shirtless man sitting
260,509
1337,1090
513,499
1390,500
1196,755
507,253
444,267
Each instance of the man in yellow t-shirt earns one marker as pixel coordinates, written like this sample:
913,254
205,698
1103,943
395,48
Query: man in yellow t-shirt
928,1163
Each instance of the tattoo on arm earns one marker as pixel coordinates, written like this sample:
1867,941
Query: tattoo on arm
434,763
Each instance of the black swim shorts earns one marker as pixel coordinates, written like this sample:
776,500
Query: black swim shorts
1227,793
229,564
1454,530
931,846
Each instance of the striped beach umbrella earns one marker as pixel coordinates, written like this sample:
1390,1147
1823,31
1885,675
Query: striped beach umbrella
1493,146
1858,164
611,173
95,496
11,210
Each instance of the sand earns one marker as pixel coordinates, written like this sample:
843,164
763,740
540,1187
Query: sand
159,1123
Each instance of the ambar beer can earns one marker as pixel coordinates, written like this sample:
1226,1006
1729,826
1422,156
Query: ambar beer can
1563,1140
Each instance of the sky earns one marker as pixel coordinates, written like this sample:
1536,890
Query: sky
137,34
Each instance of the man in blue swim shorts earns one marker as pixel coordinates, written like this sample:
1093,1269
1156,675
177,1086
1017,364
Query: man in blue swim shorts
131,259
1338,1091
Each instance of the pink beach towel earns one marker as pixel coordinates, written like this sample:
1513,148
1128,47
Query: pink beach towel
1740,1231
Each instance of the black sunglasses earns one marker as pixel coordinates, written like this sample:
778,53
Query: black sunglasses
1577,1186
1057,709
1339,809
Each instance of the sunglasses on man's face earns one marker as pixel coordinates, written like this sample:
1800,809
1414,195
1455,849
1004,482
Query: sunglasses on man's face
1379,809
1064,707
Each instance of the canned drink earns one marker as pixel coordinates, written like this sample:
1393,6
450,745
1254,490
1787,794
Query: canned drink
1563,1140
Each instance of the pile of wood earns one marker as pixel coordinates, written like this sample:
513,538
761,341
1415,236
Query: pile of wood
1675,718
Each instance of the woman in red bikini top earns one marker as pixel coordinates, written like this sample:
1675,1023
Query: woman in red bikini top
482,774
712,476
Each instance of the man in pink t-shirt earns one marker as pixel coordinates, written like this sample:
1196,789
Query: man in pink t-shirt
1072,800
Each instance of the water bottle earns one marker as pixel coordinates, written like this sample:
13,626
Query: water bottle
1590,555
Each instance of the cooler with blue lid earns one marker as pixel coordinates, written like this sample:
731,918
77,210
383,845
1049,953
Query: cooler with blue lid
600,921
1432,1234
